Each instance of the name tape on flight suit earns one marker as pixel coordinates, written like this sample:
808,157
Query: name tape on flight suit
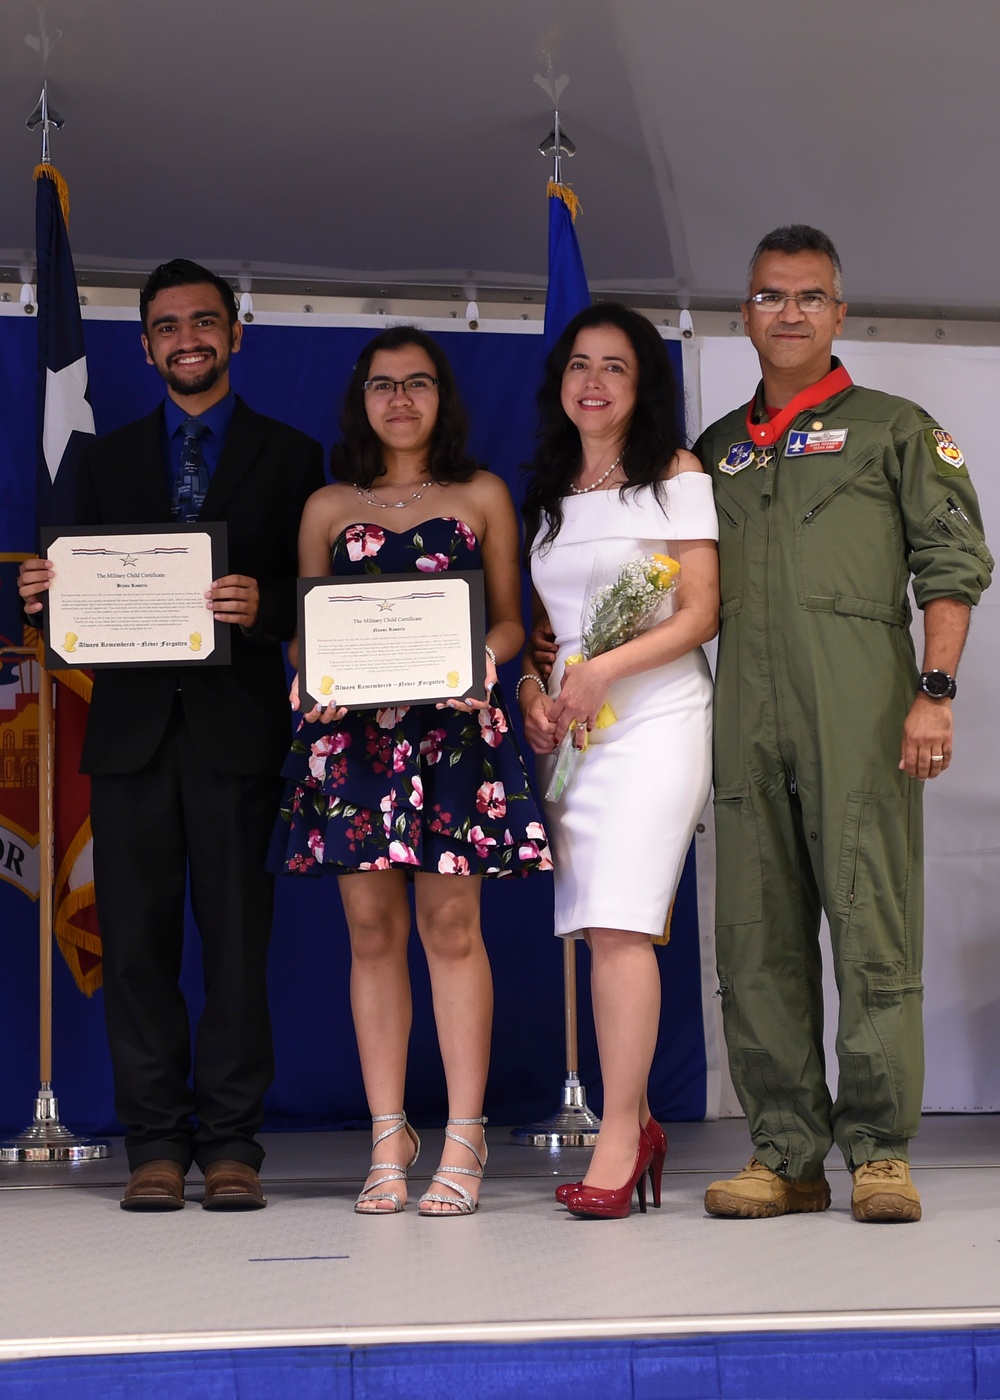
804,444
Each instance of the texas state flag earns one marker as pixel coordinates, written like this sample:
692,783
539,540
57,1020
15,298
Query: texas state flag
65,418
65,426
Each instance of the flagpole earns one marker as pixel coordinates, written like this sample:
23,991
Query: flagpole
573,1124
46,1139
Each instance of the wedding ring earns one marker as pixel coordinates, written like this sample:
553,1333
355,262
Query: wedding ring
937,757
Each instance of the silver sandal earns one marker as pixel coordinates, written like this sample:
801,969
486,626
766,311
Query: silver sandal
394,1170
463,1202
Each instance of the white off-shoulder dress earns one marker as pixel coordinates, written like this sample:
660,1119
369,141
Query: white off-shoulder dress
621,832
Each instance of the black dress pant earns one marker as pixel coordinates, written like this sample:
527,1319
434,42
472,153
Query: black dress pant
176,817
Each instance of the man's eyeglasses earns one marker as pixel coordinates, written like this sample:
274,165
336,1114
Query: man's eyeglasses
810,303
412,384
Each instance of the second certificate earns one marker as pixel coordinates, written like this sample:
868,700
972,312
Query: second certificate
400,639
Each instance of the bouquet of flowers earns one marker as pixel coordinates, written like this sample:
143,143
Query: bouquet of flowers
613,614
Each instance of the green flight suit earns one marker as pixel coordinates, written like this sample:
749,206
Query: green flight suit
816,674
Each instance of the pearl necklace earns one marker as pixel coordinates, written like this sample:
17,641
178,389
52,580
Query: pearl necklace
582,490
367,495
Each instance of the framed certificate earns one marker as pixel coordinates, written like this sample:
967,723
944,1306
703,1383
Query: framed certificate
392,639
134,595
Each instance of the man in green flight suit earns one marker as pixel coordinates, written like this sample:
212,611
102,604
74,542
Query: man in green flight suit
831,499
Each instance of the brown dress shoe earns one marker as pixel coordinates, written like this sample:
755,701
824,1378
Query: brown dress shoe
232,1186
157,1185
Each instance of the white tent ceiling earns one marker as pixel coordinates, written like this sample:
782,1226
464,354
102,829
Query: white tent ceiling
383,143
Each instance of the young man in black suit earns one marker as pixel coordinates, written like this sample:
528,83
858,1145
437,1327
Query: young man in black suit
184,761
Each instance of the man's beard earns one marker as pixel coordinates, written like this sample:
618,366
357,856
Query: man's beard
211,375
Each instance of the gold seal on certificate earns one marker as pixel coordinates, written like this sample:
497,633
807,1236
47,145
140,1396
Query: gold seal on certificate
392,639
134,595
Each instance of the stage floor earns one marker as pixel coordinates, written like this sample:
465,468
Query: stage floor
83,1277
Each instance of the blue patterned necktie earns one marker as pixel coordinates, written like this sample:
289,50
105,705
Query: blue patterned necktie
191,481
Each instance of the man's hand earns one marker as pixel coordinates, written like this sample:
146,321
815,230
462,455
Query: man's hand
539,727
542,649
927,738
33,579
234,598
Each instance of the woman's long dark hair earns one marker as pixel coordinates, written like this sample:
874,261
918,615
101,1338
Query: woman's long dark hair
653,434
357,457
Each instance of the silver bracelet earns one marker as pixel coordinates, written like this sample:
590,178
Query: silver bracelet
529,676
491,653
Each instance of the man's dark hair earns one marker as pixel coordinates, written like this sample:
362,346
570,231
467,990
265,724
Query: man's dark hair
651,440
182,272
357,457
799,238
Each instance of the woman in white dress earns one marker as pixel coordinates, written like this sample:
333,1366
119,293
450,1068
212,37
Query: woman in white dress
611,482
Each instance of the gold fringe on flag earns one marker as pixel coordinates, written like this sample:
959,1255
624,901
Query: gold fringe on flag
62,189
568,197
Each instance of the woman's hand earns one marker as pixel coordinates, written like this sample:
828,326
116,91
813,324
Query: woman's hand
468,705
326,714
33,579
582,692
539,726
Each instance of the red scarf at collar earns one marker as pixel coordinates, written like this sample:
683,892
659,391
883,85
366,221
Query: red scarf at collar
767,434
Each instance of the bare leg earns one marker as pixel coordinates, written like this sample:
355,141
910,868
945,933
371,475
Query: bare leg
462,987
378,916
644,1113
626,996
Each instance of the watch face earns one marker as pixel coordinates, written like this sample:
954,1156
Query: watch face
937,684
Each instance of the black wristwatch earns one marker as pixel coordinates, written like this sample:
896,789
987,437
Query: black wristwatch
938,685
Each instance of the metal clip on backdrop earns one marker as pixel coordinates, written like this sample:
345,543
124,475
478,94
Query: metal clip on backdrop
573,1125
45,1139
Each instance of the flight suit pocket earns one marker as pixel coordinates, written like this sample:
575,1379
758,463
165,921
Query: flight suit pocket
872,880
739,887
732,527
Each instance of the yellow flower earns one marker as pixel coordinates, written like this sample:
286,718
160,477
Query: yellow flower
663,570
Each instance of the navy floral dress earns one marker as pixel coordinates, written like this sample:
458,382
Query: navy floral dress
411,787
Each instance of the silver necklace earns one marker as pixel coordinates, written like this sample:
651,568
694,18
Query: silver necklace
366,494
582,490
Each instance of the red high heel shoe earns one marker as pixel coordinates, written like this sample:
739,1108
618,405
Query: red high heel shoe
658,1142
608,1203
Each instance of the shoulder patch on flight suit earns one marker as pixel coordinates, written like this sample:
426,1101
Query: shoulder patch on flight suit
740,455
948,456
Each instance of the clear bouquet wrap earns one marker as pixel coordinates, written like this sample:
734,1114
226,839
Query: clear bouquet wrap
614,613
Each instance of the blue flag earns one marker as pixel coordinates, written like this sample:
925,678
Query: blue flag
65,418
567,291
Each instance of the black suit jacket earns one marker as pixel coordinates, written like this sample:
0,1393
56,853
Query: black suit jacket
238,714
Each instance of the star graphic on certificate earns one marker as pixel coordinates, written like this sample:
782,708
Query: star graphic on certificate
129,561
385,605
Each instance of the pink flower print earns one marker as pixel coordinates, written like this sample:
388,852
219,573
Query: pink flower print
317,755
299,862
316,844
492,799
430,746
535,831
449,864
363,541
432,563
417,795
400,754
463,531
508,840
390,716
493,725
482,842
380,864
402,854
388,806
530,852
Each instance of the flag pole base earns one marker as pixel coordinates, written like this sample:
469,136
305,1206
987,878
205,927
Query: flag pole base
573,1126
47,1140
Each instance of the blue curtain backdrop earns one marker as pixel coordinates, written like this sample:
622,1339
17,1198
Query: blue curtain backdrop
298,374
